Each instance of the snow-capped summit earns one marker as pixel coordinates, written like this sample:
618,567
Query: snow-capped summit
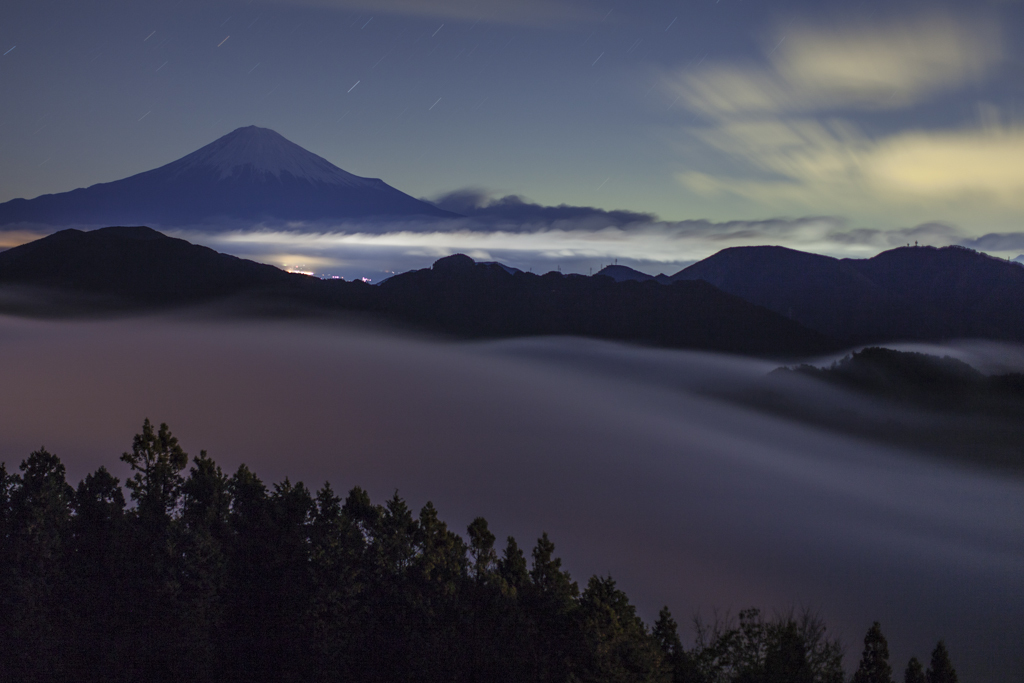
262,151
249,175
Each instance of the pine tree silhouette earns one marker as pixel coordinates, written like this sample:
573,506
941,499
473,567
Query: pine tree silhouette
874,663
941,669
914,672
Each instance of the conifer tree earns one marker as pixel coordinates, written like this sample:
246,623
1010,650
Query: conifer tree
941,669
156,646
157,460
362,513
34,579
512,568
326,529
444,609
200,537
97,577
99,506
40,513
619,649
666,632
245,593
550,602
874,662
441,554
514,632
395,540
681,663
288,577
335,584
547,574
6,482
481,549
914,672
205,498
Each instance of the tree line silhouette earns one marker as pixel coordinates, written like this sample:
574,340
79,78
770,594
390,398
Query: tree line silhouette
211,577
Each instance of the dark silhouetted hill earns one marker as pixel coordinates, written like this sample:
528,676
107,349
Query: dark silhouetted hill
250,174
912,376
937,405
910,293
463,297
137,264
139,268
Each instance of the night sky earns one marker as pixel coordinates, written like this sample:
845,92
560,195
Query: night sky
837,127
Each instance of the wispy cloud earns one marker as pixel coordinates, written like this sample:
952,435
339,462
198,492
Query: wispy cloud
888,66
805,163
796,125
814,68
973,161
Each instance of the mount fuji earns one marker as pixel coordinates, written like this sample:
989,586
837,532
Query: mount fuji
250,174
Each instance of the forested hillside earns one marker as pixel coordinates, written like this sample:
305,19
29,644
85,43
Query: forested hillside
202,576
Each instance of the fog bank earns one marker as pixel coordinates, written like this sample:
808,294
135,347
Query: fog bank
616,451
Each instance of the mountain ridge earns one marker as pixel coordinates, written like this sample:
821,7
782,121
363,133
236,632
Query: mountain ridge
140,269
624,273
904,294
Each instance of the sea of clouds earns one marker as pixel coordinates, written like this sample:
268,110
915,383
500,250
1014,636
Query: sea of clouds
619,452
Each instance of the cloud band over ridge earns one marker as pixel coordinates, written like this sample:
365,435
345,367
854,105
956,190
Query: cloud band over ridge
538,238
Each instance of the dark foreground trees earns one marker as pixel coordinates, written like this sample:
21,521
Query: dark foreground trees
202,576
874,663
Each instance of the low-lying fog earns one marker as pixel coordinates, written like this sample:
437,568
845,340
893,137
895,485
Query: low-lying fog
616,451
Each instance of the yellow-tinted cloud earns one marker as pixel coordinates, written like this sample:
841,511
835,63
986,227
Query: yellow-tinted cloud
986,162
967,173
790,122
887,66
